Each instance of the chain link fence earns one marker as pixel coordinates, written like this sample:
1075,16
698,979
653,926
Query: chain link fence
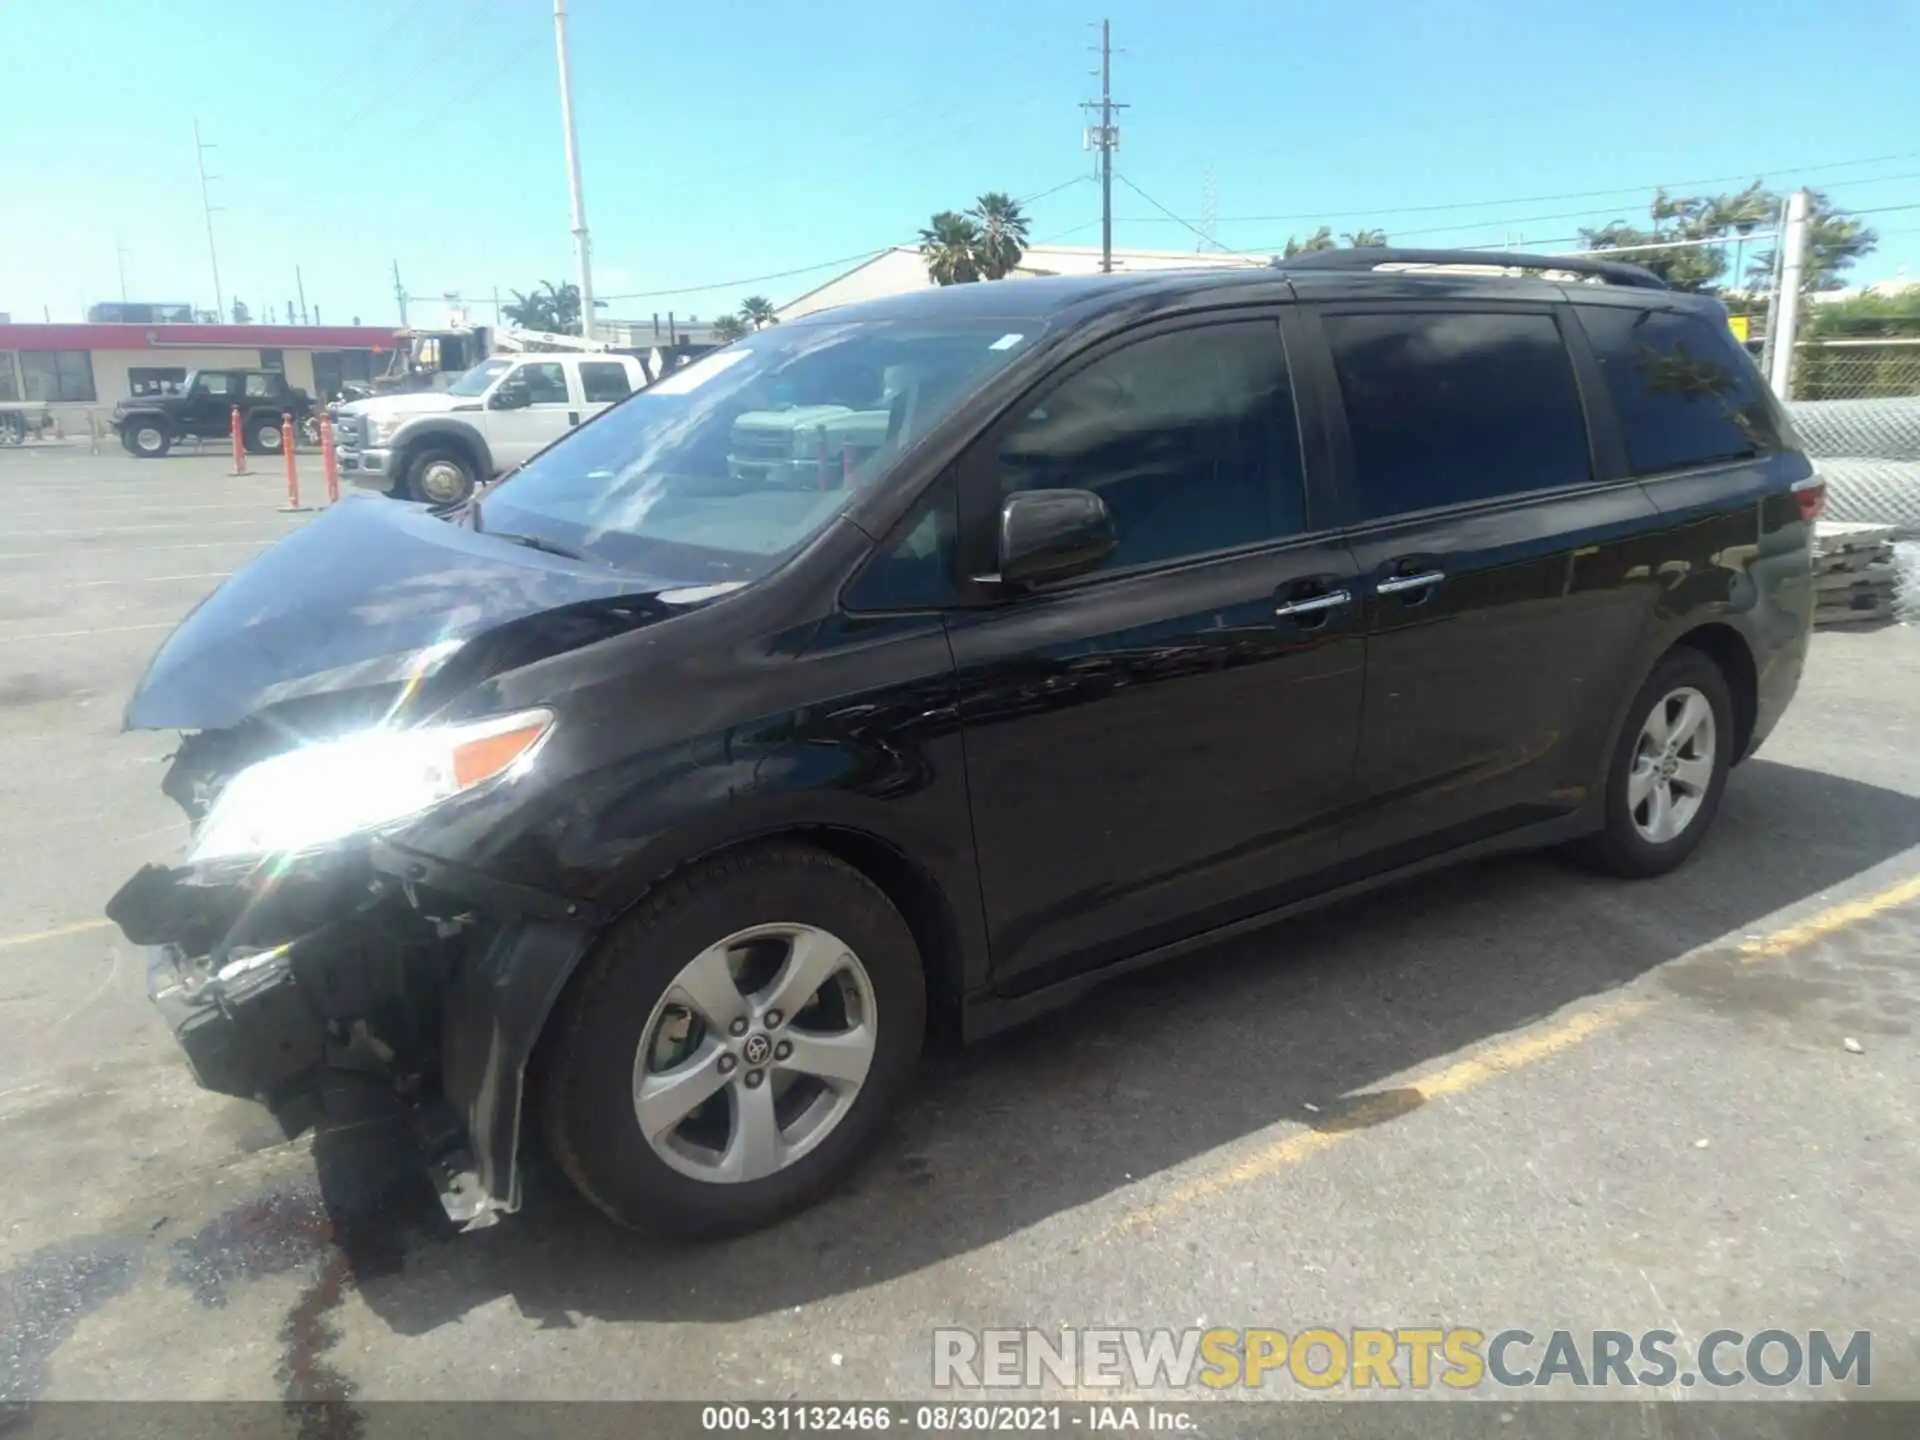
1856,370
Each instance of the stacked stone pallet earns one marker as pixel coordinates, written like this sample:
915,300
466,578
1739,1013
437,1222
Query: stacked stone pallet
1854,574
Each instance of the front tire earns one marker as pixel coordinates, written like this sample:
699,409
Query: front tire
148,440
439,476
732,1048
1669,769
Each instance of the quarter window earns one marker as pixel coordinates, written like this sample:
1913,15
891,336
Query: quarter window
1189,437
546,384
257,386
602,382
1452,407
1684,393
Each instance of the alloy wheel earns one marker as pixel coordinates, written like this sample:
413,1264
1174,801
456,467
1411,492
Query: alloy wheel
755,1053
1672,766
268,437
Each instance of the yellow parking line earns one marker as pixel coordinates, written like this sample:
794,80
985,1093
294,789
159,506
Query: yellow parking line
1828,921
1476,1069
79,927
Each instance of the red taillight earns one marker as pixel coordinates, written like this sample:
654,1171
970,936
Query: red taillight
1811,496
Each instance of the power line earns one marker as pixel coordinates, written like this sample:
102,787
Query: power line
867,254
1171,216
1573,194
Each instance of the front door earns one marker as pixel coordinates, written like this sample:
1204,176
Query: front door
551,410
1162,746
1491,545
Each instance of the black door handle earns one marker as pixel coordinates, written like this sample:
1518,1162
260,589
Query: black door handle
573,417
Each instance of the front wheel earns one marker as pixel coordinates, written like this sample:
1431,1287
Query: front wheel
439,477
732,1048
1669,769
148,440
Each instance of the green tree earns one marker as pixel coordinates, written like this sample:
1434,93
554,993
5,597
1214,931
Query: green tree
758,312
729,328
1321,239
1834,241
950,245
1366,239
549,307
1002,235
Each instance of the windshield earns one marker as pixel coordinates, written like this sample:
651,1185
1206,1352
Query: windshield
476,380
724,467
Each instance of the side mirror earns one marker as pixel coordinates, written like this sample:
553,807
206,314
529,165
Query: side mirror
511,395
1053,534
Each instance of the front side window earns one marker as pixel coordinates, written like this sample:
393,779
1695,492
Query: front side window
603,382
546,383
722,468
1189,437
1683,392
1446,408
57,375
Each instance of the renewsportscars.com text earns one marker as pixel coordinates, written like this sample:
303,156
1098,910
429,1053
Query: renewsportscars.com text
1411,1358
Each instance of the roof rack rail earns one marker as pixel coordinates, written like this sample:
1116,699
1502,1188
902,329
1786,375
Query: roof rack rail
1371,257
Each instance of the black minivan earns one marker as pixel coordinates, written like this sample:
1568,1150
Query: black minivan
936,658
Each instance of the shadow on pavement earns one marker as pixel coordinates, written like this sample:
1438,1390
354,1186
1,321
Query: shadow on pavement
1156,1070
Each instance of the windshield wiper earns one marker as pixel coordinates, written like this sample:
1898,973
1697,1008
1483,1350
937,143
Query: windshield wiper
541,543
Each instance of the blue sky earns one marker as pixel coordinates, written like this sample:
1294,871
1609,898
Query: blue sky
724,140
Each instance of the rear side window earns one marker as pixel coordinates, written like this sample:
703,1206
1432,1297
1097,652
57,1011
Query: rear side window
1451,407
1189,437
603,382
1684,393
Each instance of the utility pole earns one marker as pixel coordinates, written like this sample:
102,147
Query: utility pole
200,149
582,246
1106,139
300,284
400,294
1786,302
120,256
496,307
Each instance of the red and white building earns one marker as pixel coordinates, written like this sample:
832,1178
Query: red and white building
80,372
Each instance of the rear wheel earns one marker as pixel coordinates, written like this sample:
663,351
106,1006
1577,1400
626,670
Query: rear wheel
733,1047
439,476
264,436
148,439
1669,769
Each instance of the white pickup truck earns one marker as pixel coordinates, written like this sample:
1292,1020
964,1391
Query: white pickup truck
437,445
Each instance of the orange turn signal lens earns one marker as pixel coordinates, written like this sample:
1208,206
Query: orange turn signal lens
482,759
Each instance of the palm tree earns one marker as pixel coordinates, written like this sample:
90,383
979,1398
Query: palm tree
1366,239
1321,239
950,246
758,312
729,328
1003,234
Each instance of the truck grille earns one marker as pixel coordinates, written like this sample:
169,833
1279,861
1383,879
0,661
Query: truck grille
763,444
347,431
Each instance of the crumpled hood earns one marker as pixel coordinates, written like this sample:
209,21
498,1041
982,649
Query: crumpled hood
353,598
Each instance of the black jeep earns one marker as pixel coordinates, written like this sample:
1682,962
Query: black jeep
203,410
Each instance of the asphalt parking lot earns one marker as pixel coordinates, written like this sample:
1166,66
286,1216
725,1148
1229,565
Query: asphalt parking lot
1511,1095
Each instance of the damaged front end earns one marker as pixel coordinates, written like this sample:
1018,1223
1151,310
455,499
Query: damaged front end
281,978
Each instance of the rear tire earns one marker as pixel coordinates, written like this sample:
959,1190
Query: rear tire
439,476
263,435
604,1042
1668,771
148,439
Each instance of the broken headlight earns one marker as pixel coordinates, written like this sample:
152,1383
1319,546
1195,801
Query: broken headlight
325,792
